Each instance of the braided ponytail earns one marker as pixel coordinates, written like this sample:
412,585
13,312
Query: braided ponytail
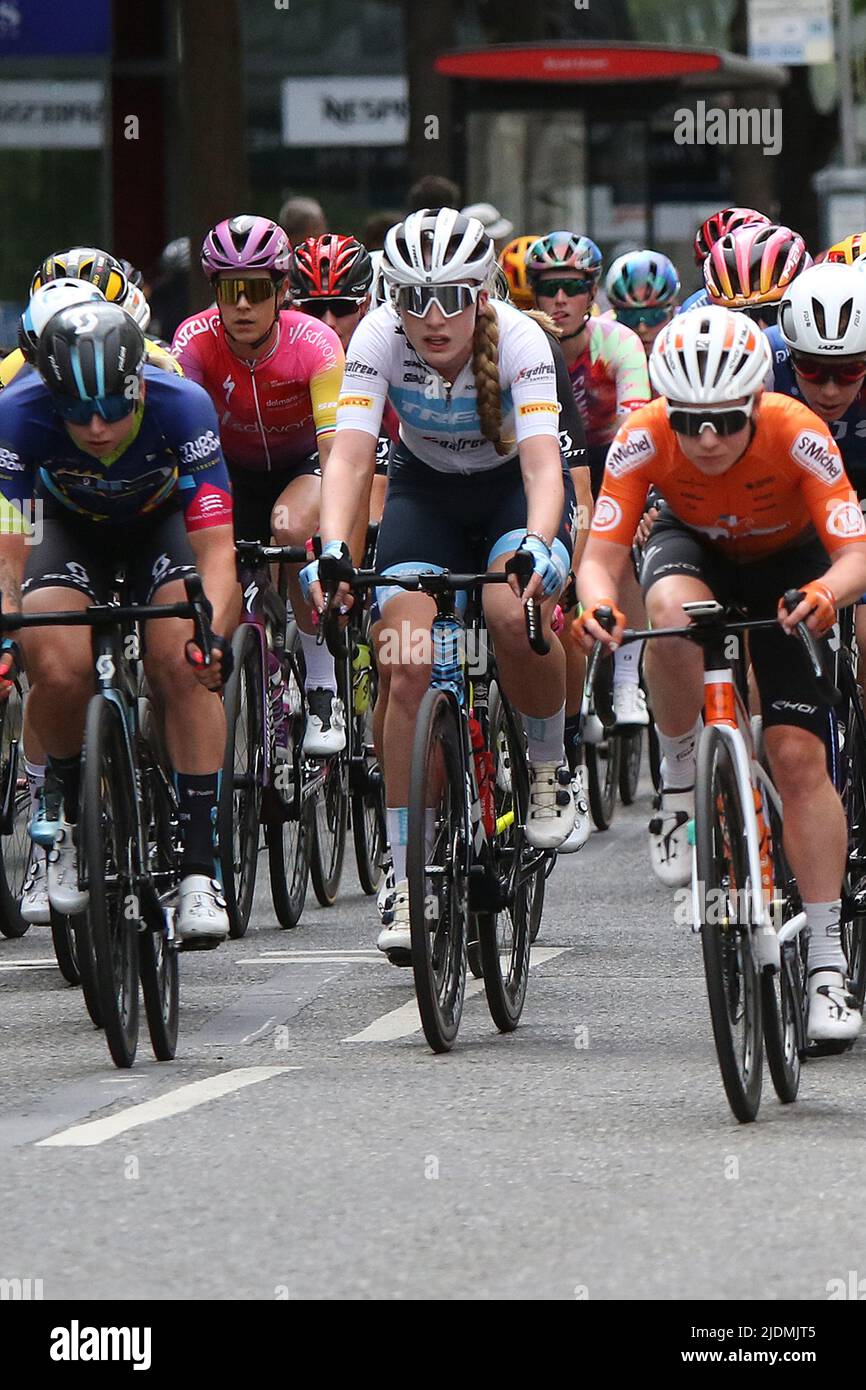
485,366
545,320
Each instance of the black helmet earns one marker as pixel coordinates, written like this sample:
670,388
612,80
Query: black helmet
89,351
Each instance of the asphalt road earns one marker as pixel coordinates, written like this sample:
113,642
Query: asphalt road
324,1152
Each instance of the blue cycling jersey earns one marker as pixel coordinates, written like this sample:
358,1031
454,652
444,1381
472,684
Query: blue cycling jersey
849,431
694,301
174,453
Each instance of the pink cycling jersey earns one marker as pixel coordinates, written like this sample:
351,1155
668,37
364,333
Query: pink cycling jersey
274,412
609,379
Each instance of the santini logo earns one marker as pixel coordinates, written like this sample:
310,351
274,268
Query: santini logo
77,1343
738,126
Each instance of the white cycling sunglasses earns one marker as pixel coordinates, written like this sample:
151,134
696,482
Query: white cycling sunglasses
449,299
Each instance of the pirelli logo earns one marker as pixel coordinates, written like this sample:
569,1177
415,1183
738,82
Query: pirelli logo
363,402
539,408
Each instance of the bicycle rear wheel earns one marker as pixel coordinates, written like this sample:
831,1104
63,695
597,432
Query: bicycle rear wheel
505,936
854,897
65,948
733,980
158,959
783,995
629,766
288,832
105,828
366,783
602,766
438,881
15,846
241,786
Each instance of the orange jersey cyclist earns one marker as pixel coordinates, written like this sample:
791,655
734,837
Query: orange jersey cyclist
756,502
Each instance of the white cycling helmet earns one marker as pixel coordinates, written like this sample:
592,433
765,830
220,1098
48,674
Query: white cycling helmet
378,288
437,248
47,301
709,356
824,311
136,306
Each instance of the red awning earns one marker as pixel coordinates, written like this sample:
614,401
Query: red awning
598,62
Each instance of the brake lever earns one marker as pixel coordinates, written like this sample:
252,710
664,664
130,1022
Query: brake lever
827,689
202,630
521,565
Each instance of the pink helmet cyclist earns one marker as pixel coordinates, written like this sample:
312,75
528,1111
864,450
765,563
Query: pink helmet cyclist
246,243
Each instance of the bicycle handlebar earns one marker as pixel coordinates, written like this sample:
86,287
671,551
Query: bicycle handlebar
257,554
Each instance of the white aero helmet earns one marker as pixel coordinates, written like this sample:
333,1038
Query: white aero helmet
824,311
136,306
437,248
709,356
47,301
378,288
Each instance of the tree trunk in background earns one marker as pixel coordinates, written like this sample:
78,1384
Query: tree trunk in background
213,179
430,30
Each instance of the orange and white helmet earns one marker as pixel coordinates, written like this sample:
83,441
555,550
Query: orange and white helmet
754,265
709,356
512,258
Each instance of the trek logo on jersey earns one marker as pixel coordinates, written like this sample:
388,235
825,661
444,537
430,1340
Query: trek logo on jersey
632,449
607,514
814,452
10,461
201,448
539,408
846,520
360,402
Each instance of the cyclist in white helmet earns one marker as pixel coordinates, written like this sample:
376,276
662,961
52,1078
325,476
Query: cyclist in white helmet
748,480
477,475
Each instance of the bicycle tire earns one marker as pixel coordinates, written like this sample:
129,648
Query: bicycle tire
783,995
504,954
87,967
854,800
732,975
631,756
368,804
65,947
329,818
240,798
158,959
105,826
602,768
16,846
655,756
438,904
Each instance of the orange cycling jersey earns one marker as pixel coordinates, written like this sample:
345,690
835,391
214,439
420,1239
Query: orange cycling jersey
790,479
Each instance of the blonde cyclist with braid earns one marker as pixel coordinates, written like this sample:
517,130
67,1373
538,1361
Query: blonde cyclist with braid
477,475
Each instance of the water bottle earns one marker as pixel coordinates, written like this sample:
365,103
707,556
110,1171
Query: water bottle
361,666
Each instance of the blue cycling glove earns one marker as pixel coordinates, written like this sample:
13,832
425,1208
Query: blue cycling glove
545,564
310,573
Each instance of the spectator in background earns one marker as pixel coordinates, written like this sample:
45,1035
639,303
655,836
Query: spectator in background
433,191
497,227
169,298
301,218
376,227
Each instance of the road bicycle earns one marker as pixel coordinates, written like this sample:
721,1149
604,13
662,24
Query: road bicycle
128,829
469,768
847,767
745,901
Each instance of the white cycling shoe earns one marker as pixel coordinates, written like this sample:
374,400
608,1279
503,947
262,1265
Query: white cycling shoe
325,731
833,1012
629,706
670,848
552,813
64,894
34,907
395,936
582,820
201,918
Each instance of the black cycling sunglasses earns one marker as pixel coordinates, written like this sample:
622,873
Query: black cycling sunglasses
690,422
341,308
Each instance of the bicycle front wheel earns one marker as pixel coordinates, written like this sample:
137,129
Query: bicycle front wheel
783,995
105,828
436,870
241,787
602,767
629,767
732,974
158,960
15,845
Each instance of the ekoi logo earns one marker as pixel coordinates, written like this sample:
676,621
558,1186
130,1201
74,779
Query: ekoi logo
607,515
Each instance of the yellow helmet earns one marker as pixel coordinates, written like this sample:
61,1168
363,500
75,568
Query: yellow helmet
85,263
512,258
847,250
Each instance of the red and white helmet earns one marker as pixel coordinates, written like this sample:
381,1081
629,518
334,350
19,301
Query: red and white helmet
709,356
717,226
246,243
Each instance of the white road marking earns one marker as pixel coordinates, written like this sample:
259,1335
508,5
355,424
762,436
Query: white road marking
262,1032
403,1022
29,964
315,958
172,1103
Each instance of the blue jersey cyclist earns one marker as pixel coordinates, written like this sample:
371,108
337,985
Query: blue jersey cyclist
122,466
477,475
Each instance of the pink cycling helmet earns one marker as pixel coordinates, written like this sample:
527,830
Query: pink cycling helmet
246,243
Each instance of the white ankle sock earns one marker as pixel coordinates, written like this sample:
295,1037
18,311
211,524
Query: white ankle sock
678,757
626,664
35,782
825,940
397,822
319,664
545,738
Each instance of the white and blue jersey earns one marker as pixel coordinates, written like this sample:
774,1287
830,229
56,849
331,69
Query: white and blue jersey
849,431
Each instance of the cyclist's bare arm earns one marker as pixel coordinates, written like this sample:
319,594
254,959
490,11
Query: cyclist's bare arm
601,575
214,551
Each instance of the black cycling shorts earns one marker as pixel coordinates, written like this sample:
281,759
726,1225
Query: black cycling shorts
454,520
787,687
76,553
256,494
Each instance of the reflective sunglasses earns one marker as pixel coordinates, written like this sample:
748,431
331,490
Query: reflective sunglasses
819,370
548,289
652,318
450,300
78,412
341,308
767,314
689,421
230,290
